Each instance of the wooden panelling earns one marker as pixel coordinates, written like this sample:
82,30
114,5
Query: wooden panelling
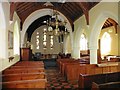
26,54
72,68
72,9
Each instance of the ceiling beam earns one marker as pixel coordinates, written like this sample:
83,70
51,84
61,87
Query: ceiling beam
28,6
19,9
71,9
12,9
114,24
85,9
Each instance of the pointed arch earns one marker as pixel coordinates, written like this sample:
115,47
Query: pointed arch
95,32
37,14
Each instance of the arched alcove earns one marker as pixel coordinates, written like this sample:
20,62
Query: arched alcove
95,32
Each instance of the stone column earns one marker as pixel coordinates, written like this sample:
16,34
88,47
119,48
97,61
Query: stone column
93,55
76,52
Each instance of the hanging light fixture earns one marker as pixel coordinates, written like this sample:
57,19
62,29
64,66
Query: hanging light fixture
54,24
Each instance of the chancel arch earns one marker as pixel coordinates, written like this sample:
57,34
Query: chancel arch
37,14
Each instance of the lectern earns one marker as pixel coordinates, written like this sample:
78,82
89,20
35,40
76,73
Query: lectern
26,54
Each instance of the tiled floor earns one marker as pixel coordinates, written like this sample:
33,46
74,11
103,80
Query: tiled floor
55,81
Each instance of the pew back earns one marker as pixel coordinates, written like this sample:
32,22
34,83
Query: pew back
110,86
37,83
27,70
85,81
25,76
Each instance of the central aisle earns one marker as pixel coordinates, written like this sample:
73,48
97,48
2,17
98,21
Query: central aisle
56,81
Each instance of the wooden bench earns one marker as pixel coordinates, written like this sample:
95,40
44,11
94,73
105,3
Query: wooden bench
73,70
26,63
24,76
27,84
60,61
20,67
85,81
64,64
103,86
27,70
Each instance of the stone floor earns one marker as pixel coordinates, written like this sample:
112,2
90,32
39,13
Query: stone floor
55,81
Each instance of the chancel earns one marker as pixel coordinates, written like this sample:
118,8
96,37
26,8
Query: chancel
60,44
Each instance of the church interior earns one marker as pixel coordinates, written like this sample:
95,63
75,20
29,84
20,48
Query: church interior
60,44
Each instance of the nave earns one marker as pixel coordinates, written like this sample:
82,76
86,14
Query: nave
77,43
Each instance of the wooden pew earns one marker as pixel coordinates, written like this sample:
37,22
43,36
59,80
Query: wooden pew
27,84
21,67
27,70
24,76
72,71
27,63
85,81
64,64
103,86
60,61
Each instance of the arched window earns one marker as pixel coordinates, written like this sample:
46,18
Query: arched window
105,44
51,41
83,42
37,41
16,39
45,38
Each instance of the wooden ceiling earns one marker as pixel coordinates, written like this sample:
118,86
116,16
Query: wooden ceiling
72,10
109,22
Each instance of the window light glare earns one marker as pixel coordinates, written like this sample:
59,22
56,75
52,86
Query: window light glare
44,21
45,29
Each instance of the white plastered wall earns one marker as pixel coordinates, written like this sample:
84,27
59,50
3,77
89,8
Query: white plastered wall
97,17
5,53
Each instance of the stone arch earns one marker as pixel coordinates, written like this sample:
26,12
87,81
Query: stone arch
76,47
95,32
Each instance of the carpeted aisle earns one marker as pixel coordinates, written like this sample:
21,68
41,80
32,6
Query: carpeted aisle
55,81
